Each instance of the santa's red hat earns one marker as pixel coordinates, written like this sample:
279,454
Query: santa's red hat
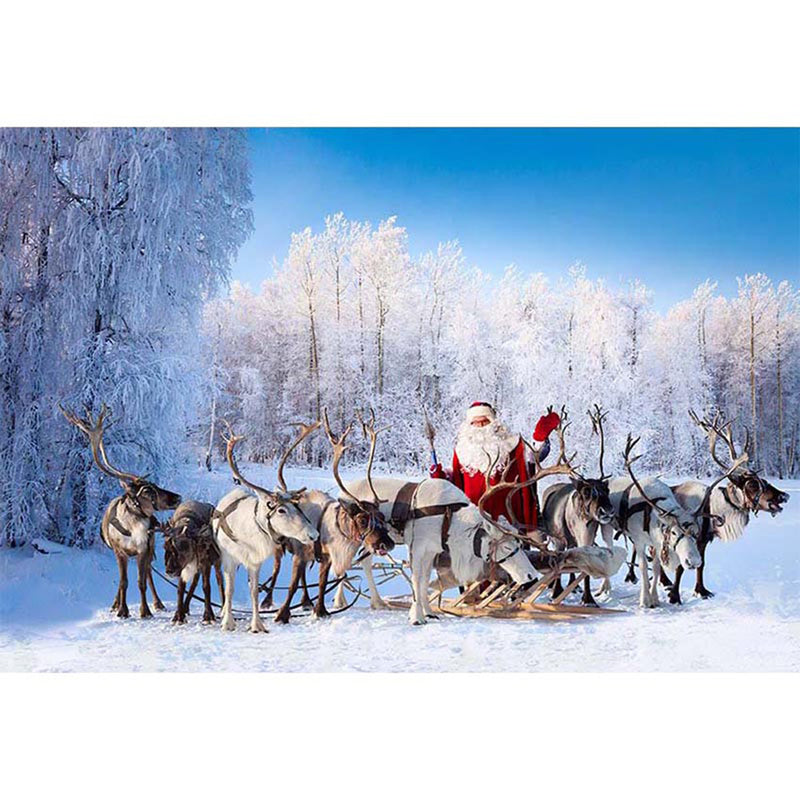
481,409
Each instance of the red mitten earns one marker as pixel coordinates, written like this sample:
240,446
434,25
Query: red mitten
436,471
545,426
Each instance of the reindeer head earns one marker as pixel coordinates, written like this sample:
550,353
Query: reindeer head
758,494
755,493
144,495
364,519
179,549
277,513
593,499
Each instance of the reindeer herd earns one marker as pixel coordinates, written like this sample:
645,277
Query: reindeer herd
668,527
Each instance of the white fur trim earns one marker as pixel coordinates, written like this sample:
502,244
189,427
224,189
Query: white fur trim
481,411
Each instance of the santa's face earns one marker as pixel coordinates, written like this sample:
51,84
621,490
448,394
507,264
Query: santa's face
480,445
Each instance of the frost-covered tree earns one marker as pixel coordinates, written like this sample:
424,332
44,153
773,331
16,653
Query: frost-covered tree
112,239
399,333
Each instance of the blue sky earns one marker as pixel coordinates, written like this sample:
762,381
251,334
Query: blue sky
670,206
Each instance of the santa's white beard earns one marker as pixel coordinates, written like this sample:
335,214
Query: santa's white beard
478,447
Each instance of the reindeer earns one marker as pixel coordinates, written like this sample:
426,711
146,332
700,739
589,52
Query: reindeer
190,552
344,525
673,534
128,525
573,512
746,492
249,529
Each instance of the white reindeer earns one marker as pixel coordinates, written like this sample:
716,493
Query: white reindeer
672,533
474,541
746,493
248,529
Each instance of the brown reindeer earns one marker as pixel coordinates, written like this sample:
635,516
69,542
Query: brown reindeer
344,525
727,509
190,552
129,524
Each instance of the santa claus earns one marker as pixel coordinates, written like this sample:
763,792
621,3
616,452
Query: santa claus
481,439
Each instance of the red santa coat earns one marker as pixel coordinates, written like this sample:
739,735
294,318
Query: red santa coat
525,502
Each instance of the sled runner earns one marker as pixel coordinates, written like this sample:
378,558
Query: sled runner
506,601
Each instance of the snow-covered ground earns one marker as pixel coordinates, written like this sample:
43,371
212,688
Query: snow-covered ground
54,616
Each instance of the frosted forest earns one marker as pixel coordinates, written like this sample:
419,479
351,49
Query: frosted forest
116,247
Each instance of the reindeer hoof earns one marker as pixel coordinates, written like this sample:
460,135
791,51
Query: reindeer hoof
123,612
159,606
630,578
675,599
704,593
209,617
258,630
283,616
145,612
589,601
307,604
431,616
321,613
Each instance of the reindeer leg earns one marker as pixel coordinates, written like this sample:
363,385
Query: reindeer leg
675,589
587,598
220,584
556,587
180,613
664,578
375,599
656,579
644,594
306,600
228,622
156,599
190,593
276,568
142,563
283,615
631,576
339,600
208,612
699,587
324,568
419,585
256,625
122,590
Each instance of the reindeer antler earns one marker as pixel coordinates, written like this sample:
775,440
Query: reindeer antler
94,432
719,429
339,446
629,461
305,430
231,439
598,417
369,432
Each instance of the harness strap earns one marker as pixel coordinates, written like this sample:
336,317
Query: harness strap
477,541
626,511
447,518
401,509
222,517
119,526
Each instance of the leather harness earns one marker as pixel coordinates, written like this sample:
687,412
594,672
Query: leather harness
626,511
403,511
114,520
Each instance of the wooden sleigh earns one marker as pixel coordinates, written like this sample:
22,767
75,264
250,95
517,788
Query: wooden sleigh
503,601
